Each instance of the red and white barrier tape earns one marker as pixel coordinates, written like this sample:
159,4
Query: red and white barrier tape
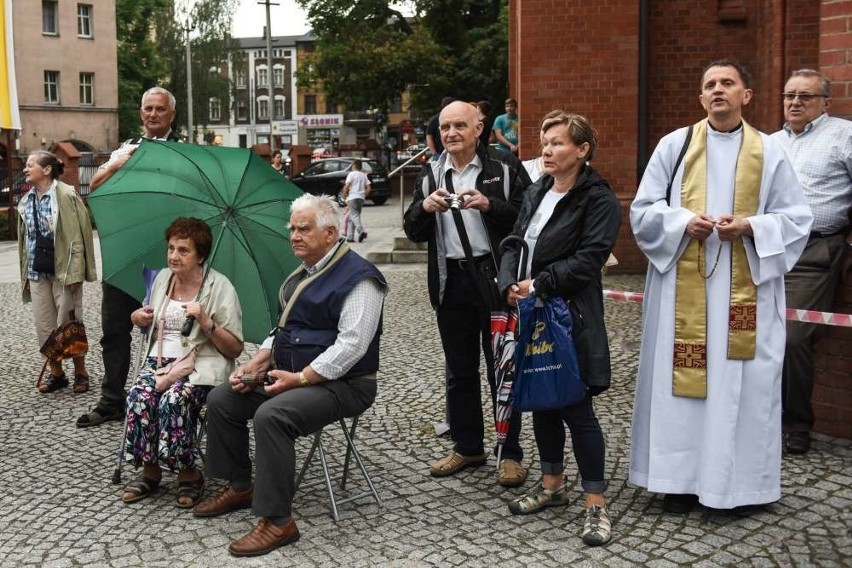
805,316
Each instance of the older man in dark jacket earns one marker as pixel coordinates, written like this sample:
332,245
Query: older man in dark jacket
490,185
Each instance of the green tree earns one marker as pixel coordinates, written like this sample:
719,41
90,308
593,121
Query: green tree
141,62
367,53
209,24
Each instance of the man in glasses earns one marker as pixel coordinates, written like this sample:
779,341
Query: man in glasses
820,148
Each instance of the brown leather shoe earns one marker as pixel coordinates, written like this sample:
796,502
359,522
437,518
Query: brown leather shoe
224,501
454,463
263,538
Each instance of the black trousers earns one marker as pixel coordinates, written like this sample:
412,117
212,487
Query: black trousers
116,307
278,421
809,286
587,441
465,327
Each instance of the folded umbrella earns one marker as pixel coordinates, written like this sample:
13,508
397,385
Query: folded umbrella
504,325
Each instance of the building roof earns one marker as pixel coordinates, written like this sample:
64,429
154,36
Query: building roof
277,41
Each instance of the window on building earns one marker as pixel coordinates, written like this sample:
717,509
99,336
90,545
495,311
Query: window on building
241,78
330,107
278,75
262,76
215,110
84,20
278,109
396,104
87,88
51,86
50,17
310,104
242,110
262,108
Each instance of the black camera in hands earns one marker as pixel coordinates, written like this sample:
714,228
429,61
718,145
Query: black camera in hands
454,201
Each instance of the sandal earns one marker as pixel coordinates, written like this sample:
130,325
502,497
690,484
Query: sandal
189,492
539,498
81,383
98,416
53,383
139,488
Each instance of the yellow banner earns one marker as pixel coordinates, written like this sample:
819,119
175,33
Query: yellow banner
9,117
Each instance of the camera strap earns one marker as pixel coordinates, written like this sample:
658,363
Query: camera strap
457,217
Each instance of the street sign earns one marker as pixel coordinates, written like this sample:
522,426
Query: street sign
285,127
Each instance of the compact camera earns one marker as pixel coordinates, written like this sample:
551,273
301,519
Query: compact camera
256,380
454,201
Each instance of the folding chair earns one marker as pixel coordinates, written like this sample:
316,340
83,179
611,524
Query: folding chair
351,451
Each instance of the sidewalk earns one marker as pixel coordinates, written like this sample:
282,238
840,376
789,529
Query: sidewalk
59,508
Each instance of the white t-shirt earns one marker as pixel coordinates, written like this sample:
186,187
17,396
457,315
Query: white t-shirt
539,219
358,187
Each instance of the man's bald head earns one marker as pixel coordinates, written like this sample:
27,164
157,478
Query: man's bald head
460,128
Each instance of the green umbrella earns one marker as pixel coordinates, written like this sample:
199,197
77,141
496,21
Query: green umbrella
245,202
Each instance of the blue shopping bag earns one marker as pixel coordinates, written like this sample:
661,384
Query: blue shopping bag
547,371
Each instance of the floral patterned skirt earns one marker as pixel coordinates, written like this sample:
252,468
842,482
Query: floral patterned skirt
163,426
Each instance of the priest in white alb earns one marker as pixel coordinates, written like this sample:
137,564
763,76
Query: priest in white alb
721,217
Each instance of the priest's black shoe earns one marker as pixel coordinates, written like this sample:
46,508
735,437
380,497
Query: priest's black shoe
680,504
797,442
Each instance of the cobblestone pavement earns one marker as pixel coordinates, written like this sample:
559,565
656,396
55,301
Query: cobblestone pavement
58,507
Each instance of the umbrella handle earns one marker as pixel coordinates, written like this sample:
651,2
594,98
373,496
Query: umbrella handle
187,326
525,251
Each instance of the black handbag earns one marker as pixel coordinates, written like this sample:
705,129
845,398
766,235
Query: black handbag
43,259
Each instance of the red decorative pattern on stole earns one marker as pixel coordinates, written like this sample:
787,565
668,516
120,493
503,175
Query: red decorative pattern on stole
690,355
742,317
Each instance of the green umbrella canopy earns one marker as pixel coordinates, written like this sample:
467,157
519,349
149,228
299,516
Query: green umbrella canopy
245,202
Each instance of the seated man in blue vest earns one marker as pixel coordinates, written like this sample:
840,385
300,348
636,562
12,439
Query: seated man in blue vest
321,364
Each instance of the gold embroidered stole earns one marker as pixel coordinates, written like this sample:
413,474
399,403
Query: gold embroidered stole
690,344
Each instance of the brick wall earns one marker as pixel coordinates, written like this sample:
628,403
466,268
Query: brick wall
582,56
832,399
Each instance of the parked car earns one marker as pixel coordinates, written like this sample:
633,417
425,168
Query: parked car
404,155
326,177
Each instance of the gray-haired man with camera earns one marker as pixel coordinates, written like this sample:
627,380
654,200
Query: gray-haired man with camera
488,187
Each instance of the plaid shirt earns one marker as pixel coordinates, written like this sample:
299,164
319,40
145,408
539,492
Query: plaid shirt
822,158
45,224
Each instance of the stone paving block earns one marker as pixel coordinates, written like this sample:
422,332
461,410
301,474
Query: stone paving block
457,521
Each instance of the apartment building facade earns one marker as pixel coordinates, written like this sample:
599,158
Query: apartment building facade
67,73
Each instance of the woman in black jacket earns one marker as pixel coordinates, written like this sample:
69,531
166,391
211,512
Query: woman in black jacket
570,221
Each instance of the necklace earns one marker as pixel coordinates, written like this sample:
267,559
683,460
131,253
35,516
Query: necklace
700,263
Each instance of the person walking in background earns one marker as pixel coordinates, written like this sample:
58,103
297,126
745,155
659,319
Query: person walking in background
707,412
570,222
52,213
506,128
356,189
820,147
491,184
157,112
